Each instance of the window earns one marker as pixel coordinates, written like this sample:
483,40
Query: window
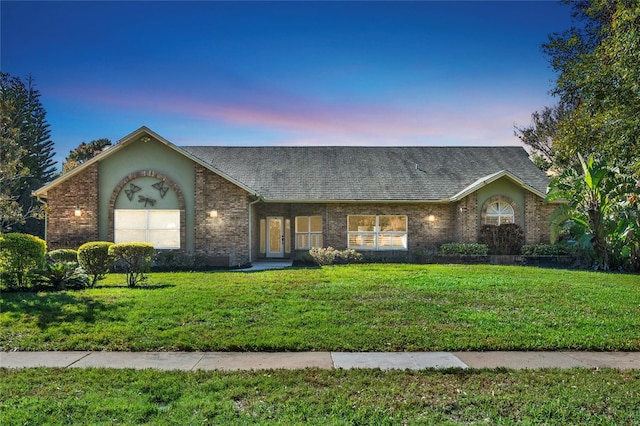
308,232
499,212
377,232
158,227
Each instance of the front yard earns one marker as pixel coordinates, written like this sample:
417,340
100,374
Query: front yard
343,308
359,308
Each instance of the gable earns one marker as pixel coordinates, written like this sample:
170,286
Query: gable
145,140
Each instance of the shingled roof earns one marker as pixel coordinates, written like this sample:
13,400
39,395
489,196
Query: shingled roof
350,173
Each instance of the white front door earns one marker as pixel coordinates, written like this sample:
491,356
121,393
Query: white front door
275,237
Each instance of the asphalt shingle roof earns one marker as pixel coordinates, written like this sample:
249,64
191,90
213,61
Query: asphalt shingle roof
366,173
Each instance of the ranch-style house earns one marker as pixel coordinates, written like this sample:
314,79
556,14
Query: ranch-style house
237,205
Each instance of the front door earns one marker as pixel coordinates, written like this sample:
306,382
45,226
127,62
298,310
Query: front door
275,237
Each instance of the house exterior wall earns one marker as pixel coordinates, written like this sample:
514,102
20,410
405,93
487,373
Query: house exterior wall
422,234
466,219
148,156
64,228
454,222
225,238
537,228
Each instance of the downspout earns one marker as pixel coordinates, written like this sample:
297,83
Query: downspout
251,226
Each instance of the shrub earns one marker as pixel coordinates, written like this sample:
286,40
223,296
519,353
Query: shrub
177,260
95,259
464,249
63,255
503,239
20,254
330,256
61,275
543,250
136,258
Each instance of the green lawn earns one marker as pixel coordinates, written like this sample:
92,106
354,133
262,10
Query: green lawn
97,396
344,308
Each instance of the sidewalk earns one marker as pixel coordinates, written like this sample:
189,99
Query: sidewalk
232,361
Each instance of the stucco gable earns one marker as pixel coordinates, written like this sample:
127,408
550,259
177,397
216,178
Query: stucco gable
486,180
141,135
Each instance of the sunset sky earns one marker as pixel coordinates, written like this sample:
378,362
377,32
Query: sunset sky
285,73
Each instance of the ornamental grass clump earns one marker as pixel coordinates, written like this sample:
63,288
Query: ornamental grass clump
136,258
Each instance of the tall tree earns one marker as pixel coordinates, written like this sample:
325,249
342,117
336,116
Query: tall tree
599,77
540,134
84,152
26,121
11,169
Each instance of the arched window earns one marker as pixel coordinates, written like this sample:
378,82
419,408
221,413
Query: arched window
498,213
147,207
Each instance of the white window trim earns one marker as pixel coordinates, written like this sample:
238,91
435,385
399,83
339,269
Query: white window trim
501,212
311,237
377,233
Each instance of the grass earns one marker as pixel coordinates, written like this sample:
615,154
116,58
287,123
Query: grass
345,308
339,397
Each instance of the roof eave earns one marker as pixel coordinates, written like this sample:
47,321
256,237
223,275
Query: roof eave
486,180
338,201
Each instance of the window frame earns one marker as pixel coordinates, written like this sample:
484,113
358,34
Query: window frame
376,235
314,239
147,230
499,215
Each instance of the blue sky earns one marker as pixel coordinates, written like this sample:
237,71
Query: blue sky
285,73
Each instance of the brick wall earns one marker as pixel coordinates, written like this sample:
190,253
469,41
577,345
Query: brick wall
225,238
466,219
536,224
64,228
453,222
422,233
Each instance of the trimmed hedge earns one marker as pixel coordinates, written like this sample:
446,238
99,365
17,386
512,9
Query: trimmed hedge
136,258
63,255
464,249
95,259
19,255
543,250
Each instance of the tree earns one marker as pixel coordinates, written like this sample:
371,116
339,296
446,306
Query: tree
11,169
540,134
24,122
84,152
603,208
599,78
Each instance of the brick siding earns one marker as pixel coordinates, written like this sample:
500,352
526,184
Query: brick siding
466,220
64,228
225,238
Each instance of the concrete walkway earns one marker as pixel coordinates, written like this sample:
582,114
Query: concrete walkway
265,265
231,361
